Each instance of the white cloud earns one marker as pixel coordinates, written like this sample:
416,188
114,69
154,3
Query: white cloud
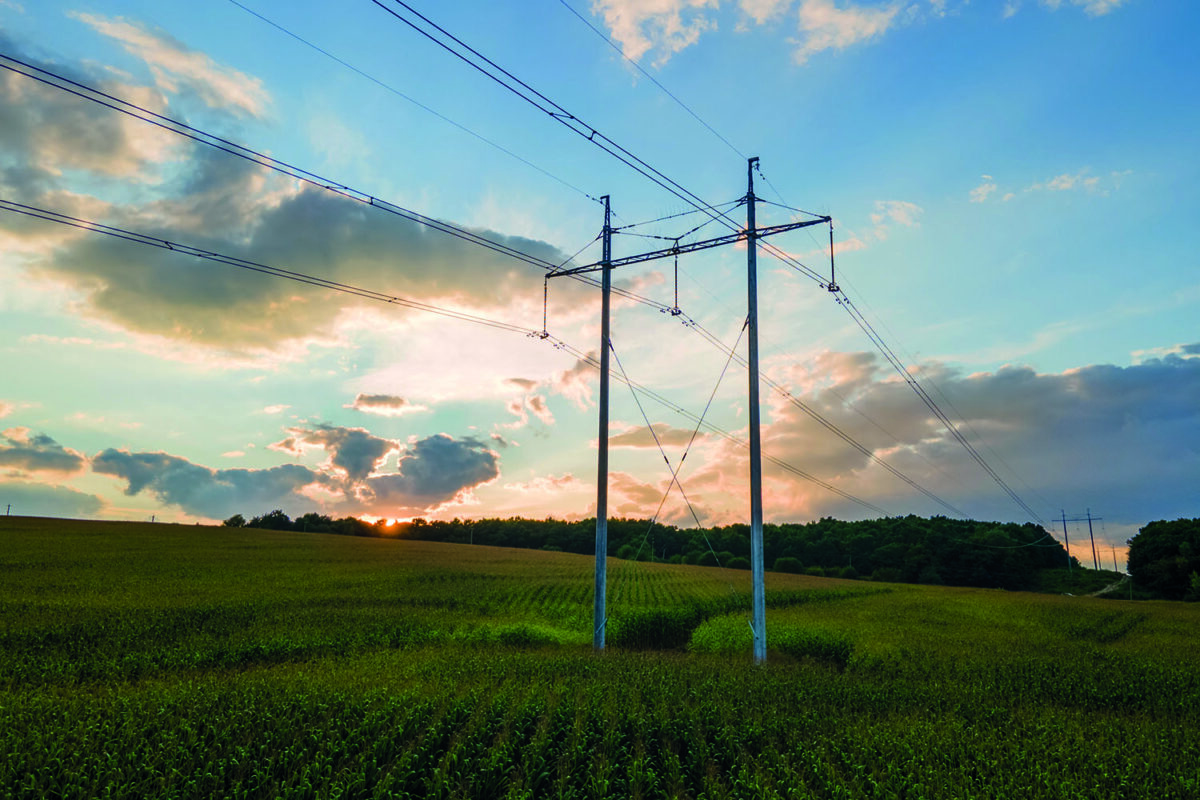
900,212
762,10
179,69
825,26
981,192
1093,8
663,26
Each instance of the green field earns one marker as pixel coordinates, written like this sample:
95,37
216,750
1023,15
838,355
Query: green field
143,660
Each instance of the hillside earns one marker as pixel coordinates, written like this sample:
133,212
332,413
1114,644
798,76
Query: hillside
184,661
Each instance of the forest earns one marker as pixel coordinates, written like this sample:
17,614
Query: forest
908,549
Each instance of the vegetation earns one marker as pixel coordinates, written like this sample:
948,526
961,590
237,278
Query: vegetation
167,661
1164,559
899,549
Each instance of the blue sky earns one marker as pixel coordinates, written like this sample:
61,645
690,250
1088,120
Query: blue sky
1012,185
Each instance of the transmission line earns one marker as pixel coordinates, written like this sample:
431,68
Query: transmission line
651,78
370,294
414,101
200,136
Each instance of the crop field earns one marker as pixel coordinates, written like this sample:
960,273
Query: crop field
165,661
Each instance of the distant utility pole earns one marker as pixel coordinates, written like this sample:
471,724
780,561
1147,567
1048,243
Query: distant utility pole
1066,540
605,265
1090,519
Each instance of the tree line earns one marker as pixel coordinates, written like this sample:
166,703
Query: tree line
910,549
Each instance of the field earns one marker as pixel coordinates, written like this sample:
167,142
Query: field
166,661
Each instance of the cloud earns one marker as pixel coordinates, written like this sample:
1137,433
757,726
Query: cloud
23,452
178,69
6,408
1093,8
275,409
1129,436
981,192
41,500
355,452
825,26
663,26
900,212
575,382
431,472
639,436
164,294
207,492
54,131
384,405
549,484
763,10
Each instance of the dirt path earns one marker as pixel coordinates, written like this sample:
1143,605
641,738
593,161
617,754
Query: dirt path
1110,587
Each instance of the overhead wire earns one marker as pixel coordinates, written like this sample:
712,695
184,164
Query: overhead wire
413,100
651,78
200,136
523,90
370,294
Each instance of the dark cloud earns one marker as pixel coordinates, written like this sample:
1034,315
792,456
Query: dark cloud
207,492
1191,349
22,452
431,472
641,436
221,203
49,130
40,500
354,451
1123,438
387,405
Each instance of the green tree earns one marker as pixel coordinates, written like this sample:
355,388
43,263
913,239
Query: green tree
1163,556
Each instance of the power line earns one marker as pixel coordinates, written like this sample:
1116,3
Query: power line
412,100
200,136
370,294
651,78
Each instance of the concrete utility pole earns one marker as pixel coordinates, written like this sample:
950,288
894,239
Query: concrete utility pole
600,611
759,624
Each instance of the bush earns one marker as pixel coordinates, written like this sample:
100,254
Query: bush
816,572
737,562
850,573
788,564
887,575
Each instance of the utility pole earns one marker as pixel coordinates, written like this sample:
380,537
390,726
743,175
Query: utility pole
1095,560
759,624
605,266
1066,540
600,612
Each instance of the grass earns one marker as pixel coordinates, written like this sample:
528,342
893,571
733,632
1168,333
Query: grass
168,661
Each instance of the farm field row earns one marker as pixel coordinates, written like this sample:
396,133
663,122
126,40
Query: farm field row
168,661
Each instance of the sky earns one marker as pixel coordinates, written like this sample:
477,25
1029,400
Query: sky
1013,193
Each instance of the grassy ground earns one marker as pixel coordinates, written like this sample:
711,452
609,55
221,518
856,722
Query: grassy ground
170,661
